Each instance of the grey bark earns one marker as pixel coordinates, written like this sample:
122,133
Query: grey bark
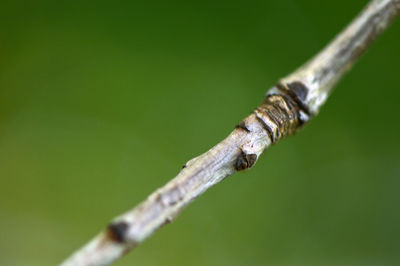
286,108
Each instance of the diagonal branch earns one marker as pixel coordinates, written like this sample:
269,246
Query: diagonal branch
285,109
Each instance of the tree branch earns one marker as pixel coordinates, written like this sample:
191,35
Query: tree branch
285,109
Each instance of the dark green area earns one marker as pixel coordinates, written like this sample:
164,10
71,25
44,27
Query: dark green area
102,102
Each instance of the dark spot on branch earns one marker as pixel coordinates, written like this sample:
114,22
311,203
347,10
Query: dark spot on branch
297,92
167,220
245,161
183,166
159,199
117,231
242,125
299,89
251,159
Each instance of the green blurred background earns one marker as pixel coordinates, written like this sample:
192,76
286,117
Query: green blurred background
102,102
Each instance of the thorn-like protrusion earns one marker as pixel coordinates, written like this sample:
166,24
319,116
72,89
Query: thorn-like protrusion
245,161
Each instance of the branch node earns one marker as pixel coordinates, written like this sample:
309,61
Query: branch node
117,231
245,161
297,91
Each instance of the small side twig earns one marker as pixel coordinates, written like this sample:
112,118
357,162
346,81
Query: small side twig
286,108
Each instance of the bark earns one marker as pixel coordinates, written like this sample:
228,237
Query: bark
286,108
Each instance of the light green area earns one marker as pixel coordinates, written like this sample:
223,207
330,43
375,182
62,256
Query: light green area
102,102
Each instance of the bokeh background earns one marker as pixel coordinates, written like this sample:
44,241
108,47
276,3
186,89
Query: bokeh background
102,102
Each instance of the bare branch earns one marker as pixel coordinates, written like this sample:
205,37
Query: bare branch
285,109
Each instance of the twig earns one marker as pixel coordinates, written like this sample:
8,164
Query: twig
285,109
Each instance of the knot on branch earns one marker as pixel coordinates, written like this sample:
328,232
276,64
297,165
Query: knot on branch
117,231
245,161
282,114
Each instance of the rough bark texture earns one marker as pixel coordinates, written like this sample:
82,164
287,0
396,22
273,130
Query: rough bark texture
285,109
